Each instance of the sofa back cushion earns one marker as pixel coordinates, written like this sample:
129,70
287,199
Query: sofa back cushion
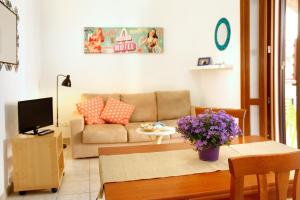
173,104
145,106
87,96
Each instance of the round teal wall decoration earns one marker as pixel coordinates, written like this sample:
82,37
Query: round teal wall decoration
222,34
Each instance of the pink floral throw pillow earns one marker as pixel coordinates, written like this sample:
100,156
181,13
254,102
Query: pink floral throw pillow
117,112
91,110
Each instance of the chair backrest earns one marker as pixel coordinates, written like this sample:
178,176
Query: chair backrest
237,113
261,165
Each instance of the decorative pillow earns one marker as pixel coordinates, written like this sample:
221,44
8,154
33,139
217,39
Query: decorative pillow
117,112
91,110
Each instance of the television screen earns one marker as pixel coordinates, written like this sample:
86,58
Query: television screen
35,114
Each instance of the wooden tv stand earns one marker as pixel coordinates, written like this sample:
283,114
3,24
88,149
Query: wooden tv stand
38,162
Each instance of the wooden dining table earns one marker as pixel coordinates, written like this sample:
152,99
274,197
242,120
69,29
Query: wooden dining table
212,185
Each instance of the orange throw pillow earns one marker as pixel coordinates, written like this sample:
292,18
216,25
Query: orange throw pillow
117,112
91,110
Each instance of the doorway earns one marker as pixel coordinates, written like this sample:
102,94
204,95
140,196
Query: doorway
257,66
288,37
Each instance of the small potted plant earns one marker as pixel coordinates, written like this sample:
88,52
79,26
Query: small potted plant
208,131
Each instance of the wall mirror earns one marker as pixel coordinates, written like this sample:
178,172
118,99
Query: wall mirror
8,36
222,34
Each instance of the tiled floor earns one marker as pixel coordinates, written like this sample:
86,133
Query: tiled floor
81,182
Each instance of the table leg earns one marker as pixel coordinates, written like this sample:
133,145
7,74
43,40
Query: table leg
159,139
152,138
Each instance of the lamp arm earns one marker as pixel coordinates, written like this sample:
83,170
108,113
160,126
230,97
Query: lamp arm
57,77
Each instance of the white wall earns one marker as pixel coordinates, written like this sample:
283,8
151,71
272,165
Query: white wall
53,37
16,86
189,33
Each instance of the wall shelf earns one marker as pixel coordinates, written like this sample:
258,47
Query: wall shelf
207,67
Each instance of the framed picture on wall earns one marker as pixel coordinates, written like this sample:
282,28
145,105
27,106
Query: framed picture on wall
204,61
8,36
123,40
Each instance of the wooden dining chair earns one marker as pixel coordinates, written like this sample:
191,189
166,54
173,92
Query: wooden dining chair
261,165
240,114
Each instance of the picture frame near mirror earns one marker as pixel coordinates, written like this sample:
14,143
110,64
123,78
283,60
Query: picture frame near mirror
204,61
9,37
222,34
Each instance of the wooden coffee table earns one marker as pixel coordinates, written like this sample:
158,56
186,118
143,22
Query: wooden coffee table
214,185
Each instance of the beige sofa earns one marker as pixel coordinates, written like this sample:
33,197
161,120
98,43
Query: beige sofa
165,106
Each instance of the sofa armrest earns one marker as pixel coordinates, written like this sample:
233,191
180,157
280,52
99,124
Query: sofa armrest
77,126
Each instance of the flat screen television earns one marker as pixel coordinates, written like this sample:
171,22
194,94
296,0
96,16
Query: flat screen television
35,114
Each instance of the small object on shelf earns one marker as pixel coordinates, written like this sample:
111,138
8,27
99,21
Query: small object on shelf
204,61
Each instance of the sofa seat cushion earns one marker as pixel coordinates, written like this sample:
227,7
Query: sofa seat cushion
172,123
133,136
104,134
145,106
173,104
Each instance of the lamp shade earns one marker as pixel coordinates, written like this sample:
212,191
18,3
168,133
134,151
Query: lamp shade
67,81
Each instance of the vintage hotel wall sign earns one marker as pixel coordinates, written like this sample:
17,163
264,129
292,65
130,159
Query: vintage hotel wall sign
123,40
124,43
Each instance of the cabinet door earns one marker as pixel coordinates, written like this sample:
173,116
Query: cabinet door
35,163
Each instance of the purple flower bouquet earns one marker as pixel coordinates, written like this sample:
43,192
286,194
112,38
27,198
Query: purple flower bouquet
208,131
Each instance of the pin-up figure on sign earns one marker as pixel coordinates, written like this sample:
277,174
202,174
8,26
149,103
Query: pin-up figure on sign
95,40
151,42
